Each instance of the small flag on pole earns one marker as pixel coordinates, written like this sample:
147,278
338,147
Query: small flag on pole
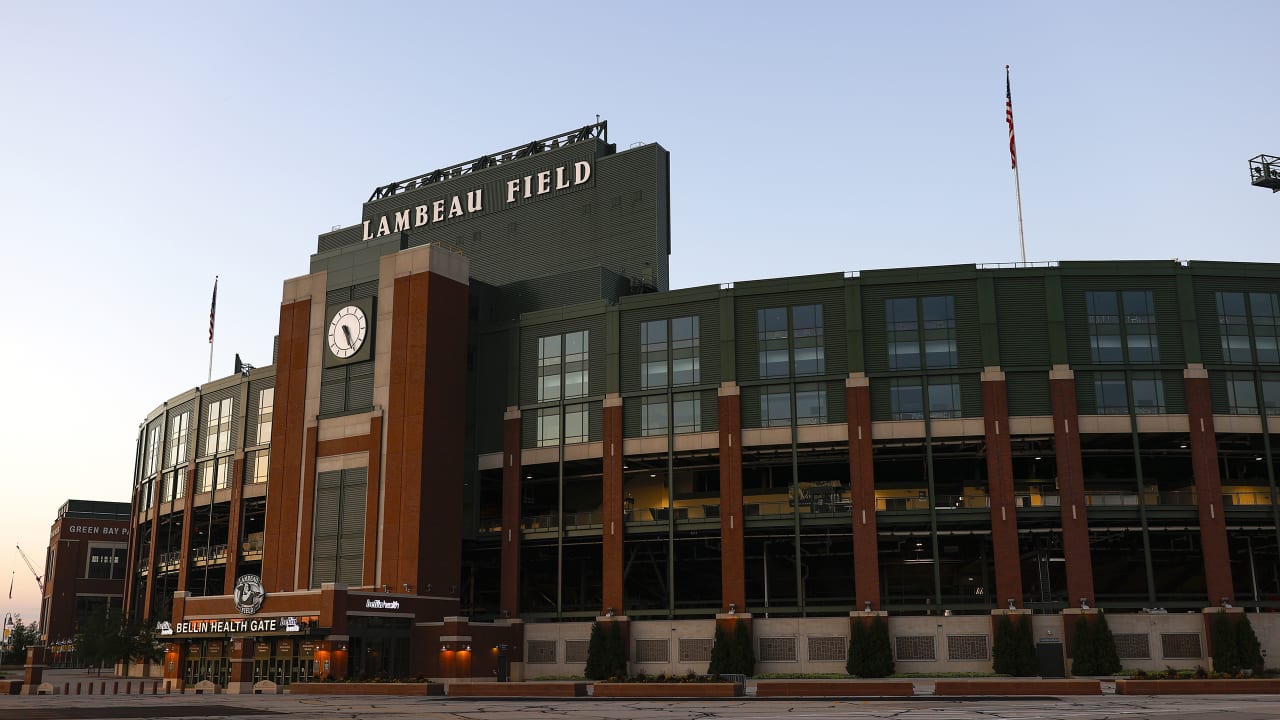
1008,117
10,593
213,308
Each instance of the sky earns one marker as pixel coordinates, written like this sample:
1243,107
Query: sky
147,147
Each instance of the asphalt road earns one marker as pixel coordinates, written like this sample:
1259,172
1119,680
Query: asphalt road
264,707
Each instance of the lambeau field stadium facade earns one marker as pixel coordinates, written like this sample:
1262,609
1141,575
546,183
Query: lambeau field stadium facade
489,422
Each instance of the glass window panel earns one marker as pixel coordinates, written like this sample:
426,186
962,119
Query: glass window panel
811,404
1242,395
906,399
944,398
1110,395
1148,394
772,321
1271,393
688,412
1102,306
653,416
575,343
1230,304
266,407
576,423
775,407
548,426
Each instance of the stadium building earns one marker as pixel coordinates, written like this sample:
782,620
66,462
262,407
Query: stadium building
489,421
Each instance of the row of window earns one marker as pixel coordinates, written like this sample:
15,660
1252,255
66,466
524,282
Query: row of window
218,414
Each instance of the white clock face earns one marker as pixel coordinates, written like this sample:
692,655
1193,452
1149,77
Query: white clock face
347,331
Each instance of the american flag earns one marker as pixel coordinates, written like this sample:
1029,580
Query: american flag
1008,117
213,307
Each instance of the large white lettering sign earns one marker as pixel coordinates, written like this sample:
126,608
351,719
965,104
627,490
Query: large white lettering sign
528,187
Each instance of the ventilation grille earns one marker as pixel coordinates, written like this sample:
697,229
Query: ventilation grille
778,649
828,649
914,647
540,652
966,647
1181,646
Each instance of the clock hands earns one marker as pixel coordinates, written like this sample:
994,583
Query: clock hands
351,343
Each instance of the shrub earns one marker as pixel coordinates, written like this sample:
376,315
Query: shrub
742,654
870,653
606,652
615,651
596,654
1248,649
1226,655
1013,651
1105,654
719,653
1084,655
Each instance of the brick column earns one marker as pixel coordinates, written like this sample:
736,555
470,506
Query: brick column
511,493
280,541
1071,496
1204,464
188,520
862,493
612,506
1004,520
233,523
733,585
240,652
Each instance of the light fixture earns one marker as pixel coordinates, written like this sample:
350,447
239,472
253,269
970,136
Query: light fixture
386,588
409,589
608,613
1226,601
506,613
443,648
1012,606
428,588
733,608
1084,603
866,606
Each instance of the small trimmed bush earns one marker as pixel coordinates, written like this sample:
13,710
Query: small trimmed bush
870,653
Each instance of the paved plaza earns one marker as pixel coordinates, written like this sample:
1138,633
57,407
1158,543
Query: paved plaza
361,708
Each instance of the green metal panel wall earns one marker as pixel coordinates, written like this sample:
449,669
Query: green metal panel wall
708,314
597,359
490,389
1168,326
968,327
1023,322
834,327
1028,393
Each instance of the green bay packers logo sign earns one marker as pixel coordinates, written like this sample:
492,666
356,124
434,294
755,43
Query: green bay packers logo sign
249,594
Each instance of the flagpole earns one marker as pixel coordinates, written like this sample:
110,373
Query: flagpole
213,307
1013,157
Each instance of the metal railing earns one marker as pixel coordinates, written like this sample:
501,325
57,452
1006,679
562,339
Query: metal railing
599,130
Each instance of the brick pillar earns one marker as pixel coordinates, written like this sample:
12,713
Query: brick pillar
733,585
240,653
1071,497
188,522
33,671
233,525
613,521
509,584
862,494
1004,519
1204,464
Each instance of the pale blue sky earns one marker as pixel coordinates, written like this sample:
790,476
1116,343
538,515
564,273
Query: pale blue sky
146,147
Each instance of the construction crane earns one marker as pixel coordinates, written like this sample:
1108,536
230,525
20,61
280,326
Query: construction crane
32,568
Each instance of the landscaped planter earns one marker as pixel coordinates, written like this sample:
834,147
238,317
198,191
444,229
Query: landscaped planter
1194,686
666,690
345,688
834,688
1021,686
518,689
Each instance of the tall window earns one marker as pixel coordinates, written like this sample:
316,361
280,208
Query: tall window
563,363
218,427
256,465
106,563
904,320
179,428
153,450
1112,394
213,475
1122,326
577,425
266,407
1242,393
653,354
811,405
669,352
908,397
1249,324
790,341
685,416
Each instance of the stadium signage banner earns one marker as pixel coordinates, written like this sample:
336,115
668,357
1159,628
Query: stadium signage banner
228,626
527,187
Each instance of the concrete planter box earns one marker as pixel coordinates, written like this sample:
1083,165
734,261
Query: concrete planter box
518,689
1198,687
834,688
1021,686
667,690
341,688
